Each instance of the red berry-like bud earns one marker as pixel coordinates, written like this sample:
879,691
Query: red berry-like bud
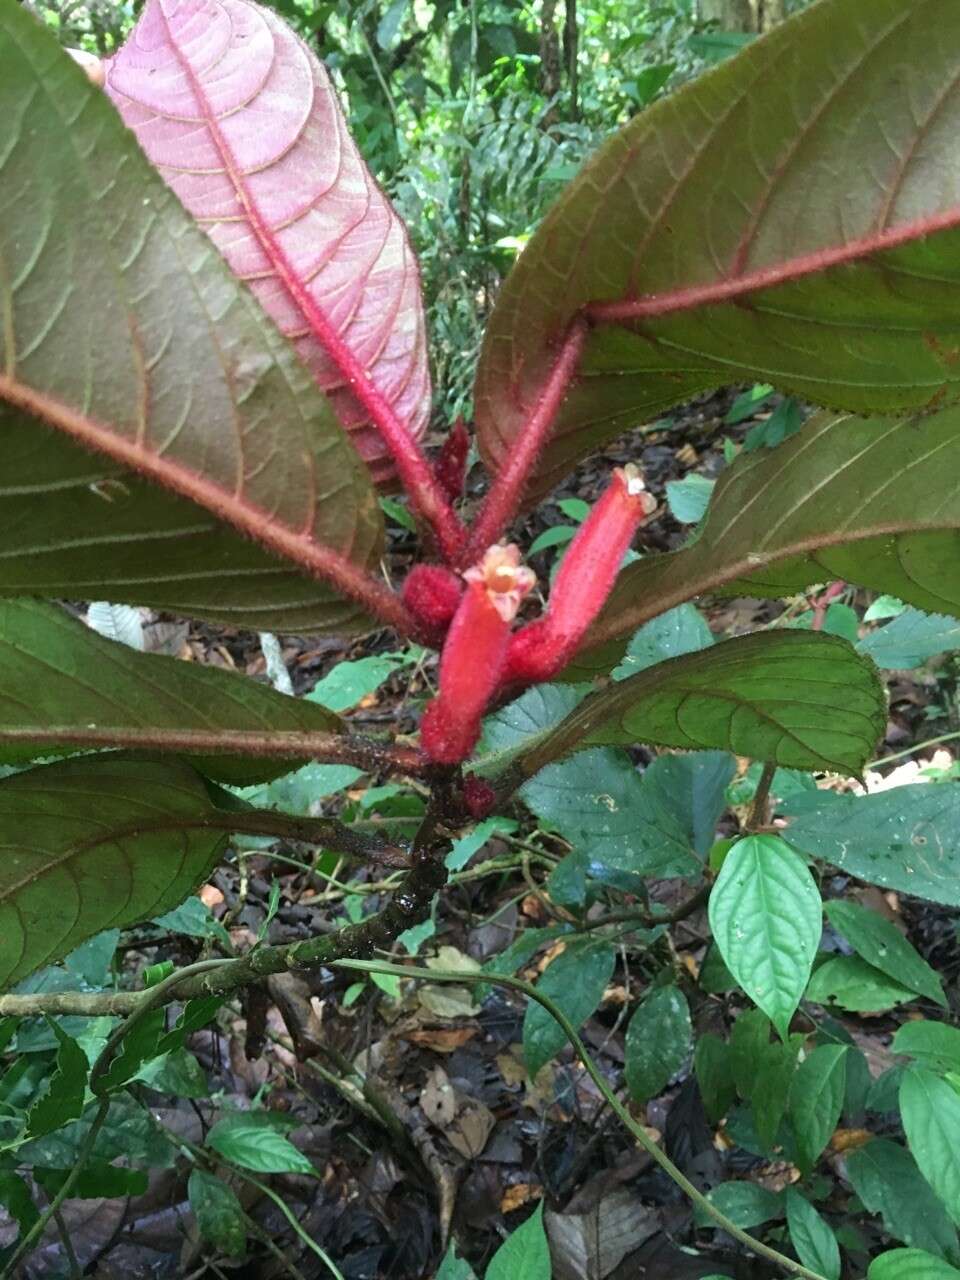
432,594
478,796
450,466
474,654
585,580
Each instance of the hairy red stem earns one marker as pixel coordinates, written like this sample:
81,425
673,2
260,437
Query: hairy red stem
503,500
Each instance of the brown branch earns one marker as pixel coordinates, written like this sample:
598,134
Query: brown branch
368,754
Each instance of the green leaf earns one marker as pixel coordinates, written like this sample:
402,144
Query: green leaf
910,1264
92,960
713,1068
815,509
848,306
454,1268
851,983
138,1046
95,842
746,1204
97,1180
693,787
886,1178
129,1131
177,1072
525,1254
219,1214
774,1069
575,981
253,1140
16,1199
797,698
765,914
811,1236
463,849
688,498
911,639
266,454
672,634
882,945
658,1042
930,1109
348,683
934,1045
906,839
64,1098
816,1100
607,811
45,650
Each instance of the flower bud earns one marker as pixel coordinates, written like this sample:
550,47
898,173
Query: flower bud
478,796
432,595
474,654
585,580
450,466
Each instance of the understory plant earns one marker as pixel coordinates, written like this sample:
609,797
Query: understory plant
214,366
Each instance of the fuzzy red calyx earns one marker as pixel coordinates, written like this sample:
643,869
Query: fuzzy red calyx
585,580
479,796
450,464
474,654
432,594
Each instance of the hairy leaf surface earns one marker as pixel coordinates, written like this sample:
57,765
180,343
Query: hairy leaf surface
875,503
801,699
57,674
96,844
123,329
242,121
790,217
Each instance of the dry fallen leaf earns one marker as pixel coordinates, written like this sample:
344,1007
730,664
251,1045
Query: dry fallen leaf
850,1139
518,1195
440,1039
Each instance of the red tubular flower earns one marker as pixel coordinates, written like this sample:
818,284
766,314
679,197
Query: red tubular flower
587,574
474,654
432,595
450,466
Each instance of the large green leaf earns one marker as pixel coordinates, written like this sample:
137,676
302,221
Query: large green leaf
765,915
911,1264
816,1100
906,839
576,981
92,844
882,945
789,217
59,677
930,1109
871,502
658,1042
801,699
125,331
812,1237
886,1178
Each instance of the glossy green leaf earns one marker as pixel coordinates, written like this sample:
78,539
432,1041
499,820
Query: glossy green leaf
930,1110
850,983
77,681
911,639
812,1237
525,1254
886,1178
765,915
911,1264
575,981
94,843
746,1204
906,839
658,1042
254,1140
882,945
868,501
716,277
816,1100
688,498
219,1214
126,332
803,700
933,1044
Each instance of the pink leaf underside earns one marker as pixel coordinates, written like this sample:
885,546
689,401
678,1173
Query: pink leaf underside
243,123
